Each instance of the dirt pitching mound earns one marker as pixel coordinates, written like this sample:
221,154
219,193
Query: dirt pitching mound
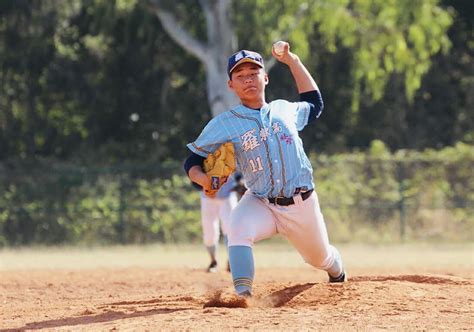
421,279
187,299
218,300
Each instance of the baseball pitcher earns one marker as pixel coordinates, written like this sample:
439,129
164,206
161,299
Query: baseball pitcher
281,195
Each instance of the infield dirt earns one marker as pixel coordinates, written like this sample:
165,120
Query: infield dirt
189,299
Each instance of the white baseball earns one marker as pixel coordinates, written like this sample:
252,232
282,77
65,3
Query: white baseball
279,47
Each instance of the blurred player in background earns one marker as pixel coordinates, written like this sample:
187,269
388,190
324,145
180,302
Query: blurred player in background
215,215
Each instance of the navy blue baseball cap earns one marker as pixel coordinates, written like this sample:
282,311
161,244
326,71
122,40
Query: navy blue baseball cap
243,56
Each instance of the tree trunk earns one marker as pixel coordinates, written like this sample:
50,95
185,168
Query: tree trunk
221,44
219,96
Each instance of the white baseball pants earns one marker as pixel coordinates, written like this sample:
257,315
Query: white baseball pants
302,223
213,210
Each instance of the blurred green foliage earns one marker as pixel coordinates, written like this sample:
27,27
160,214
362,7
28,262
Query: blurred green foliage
364,196
380,196
100,82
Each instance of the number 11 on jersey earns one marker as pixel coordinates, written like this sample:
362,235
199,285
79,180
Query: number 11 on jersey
256,164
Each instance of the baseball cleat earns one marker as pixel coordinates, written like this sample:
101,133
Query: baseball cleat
245,294
212,267
341,278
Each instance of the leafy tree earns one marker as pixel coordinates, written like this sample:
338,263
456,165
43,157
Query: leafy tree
386,37
97,81
26,51
439,114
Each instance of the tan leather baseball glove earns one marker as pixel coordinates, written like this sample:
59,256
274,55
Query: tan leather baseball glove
218,166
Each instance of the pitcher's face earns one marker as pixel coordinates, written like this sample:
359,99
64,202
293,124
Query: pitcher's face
248,81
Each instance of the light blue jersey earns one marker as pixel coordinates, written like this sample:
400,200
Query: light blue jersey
268,149
227,188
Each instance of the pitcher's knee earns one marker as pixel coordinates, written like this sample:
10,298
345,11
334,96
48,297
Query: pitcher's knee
331,262
240,236
321,261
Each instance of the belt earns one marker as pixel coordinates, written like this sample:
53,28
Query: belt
285,201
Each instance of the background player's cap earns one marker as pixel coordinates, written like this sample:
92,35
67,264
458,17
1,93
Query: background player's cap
242,57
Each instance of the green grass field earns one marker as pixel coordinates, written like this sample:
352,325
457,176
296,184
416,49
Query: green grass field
407,256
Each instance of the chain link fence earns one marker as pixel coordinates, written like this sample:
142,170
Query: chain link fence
362,198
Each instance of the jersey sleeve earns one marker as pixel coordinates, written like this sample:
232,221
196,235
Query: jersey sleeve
211,138
226,188
302,114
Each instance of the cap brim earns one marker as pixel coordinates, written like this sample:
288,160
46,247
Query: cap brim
245,60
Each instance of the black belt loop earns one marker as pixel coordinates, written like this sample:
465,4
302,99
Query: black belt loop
285,201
